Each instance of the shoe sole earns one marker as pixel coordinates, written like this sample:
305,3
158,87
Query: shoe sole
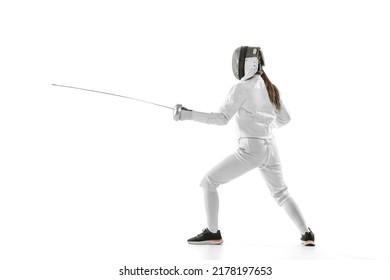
308,243
206,242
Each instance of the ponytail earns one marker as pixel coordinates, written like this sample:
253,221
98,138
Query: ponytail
273,91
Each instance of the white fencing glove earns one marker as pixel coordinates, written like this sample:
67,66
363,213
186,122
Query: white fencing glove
181,113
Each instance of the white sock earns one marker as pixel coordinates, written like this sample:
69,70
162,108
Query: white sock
211,202
295,214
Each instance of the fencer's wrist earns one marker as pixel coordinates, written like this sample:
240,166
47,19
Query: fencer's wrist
185,115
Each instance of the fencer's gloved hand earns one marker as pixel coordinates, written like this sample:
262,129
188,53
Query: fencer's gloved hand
181,113
186,114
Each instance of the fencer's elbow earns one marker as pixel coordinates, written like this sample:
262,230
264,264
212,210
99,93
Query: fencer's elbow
224,120
283,123
279,123
218,119
288,119
283,119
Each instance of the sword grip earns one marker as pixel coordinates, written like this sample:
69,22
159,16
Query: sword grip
177,111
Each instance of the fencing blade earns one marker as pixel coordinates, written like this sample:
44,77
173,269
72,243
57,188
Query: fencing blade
113,94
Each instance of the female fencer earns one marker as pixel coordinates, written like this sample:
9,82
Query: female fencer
259,109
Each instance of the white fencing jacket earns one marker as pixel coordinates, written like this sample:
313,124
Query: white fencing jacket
256,116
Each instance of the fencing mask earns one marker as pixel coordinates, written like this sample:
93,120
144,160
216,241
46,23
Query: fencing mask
246,62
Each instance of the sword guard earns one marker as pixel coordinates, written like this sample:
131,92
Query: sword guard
177,111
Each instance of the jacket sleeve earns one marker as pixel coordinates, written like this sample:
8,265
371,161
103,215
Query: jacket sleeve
282,117
227,110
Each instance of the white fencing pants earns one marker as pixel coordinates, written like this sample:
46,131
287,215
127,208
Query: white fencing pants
252,153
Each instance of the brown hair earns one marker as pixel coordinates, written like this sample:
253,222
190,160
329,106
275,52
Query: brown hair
273,91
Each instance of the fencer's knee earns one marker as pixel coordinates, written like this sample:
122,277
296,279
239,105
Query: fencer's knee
208,188
209,183
281,196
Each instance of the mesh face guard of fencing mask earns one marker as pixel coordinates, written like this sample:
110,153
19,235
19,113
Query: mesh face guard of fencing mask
245,62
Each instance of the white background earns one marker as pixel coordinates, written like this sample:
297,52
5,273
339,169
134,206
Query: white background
90,183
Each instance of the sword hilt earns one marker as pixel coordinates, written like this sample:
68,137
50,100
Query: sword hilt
177,111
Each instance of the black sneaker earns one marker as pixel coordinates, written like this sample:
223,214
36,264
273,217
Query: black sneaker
207,238
307,239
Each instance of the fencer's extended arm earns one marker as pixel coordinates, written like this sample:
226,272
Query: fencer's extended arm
282,117
209,118
228,109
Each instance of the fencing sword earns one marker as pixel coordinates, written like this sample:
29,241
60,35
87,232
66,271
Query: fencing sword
176,109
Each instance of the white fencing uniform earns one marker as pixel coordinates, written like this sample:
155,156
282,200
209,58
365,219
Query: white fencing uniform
252,153
255,117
